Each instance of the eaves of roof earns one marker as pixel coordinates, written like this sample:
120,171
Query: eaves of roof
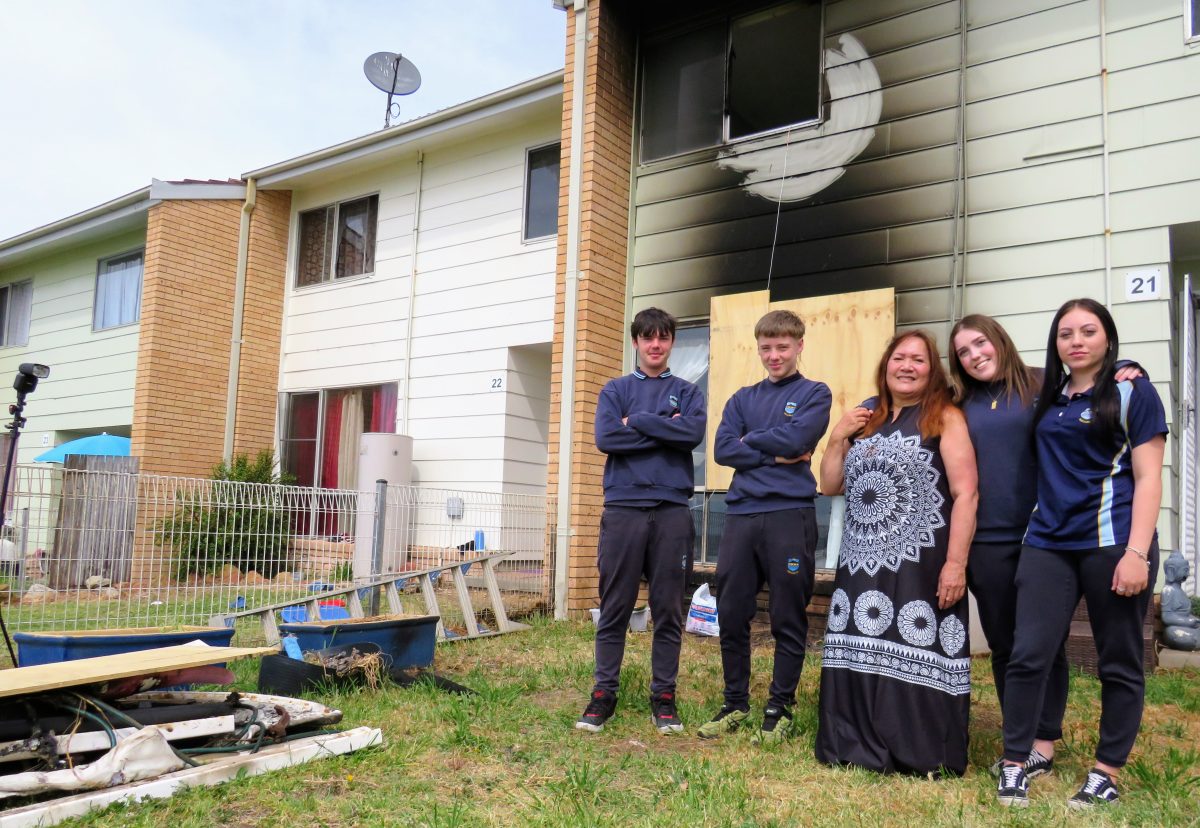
523,94
112,216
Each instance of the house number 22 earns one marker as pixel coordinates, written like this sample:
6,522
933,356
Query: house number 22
1141,285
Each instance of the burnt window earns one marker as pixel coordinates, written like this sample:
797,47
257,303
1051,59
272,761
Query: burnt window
734,77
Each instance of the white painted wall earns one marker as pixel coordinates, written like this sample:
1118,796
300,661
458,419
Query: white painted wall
90,387
482,295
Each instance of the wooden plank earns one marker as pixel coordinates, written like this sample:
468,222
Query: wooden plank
213,771
431,603
845,335
92,740
733,362
395,605
493,588
464,601
42,677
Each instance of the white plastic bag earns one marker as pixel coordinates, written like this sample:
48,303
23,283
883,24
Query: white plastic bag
702,614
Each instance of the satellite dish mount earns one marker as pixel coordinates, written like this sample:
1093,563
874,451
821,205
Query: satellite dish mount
394,74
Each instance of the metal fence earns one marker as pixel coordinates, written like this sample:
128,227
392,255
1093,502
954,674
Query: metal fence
101,550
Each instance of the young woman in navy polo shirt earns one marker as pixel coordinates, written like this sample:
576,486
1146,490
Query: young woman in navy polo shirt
997,392
1100,450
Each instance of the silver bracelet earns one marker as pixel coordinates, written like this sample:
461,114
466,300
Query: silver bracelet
1140,554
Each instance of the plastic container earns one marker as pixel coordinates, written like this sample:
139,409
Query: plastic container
409,642
53,647
286,676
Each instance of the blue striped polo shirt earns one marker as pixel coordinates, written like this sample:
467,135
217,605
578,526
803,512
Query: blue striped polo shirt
1085,483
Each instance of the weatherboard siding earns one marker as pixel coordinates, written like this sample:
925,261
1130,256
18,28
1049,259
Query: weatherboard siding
1034,223
482,294
91,380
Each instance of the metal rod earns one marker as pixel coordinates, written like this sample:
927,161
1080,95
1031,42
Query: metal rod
377,540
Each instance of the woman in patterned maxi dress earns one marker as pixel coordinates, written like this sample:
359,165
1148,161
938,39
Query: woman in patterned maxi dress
896,674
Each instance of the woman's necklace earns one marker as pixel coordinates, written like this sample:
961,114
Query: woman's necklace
996,397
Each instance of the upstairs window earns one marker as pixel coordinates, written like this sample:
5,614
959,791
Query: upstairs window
541,192
736,77
118,292
16,307
337,241
1191,20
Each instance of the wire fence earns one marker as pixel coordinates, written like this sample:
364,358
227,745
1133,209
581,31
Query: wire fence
89,550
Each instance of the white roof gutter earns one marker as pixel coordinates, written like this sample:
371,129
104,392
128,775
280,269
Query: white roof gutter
523,94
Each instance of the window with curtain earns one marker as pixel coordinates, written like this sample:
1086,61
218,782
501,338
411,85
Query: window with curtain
321,431
1191,19
541,192
737,76
16,308
337,241
118,291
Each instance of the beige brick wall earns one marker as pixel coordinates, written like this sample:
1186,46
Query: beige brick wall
186,329
606,145
262,324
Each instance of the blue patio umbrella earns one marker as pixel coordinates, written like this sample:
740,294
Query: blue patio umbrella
107,445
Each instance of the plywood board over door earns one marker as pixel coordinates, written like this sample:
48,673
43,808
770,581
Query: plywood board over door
846,334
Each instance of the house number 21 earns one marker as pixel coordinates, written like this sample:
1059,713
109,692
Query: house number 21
1141,285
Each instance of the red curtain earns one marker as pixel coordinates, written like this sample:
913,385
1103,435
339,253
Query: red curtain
383,410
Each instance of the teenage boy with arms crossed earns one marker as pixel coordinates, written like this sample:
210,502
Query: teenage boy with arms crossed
767,434
647,423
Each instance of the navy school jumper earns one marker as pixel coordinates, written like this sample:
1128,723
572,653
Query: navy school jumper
771,530
646,529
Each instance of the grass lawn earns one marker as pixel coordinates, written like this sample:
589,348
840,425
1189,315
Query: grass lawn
510,756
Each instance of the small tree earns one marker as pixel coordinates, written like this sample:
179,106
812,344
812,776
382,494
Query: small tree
246,526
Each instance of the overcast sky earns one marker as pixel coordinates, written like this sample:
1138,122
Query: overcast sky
99,96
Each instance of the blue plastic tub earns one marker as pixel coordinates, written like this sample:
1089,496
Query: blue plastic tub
409,641
53,647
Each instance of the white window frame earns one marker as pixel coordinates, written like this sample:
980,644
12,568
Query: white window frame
4,341
725,140
1191,22
140,252
331,277
525,237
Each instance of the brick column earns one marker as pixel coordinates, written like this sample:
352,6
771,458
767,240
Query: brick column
606,146
187,324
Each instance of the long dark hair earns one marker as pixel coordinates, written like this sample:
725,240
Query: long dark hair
1106,403
1017,377
934,400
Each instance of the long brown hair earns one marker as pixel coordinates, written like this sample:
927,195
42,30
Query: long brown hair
935,399
1017,377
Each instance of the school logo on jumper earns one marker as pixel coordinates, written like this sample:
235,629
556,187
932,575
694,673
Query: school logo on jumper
1086,416
683,561
793,565
789,409
674,401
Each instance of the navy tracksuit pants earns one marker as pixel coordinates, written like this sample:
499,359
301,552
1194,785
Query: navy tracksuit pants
1049,584
776,548
656,543
992,576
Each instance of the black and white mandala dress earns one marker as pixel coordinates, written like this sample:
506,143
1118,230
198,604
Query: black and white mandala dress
896,674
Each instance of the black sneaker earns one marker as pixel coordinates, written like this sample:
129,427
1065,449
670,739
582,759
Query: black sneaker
598,711
1036,765
1098,789
776,726
1013,789
662,713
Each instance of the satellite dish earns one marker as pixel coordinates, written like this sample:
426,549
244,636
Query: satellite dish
394,74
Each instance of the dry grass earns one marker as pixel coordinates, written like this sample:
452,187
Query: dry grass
509,756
